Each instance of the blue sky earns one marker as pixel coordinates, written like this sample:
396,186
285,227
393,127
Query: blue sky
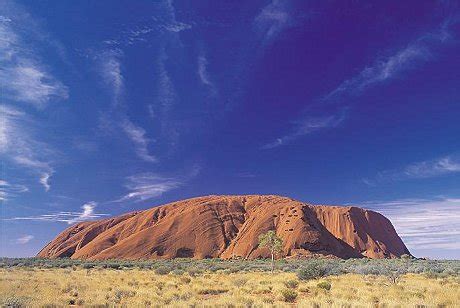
108,108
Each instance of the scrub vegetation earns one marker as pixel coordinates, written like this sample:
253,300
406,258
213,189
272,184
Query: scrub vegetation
402,282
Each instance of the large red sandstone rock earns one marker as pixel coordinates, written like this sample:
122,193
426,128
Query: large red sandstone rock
229,227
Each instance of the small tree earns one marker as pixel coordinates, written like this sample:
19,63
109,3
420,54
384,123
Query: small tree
273,243
314,269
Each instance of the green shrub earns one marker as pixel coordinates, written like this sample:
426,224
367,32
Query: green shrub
233,270
162,270
368,269
194,271
289,295
312,270
212,291
291,284
217,267
178,272
114,265
326,285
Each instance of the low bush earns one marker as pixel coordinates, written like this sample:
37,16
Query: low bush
289,295
326,285
88,265
162,270
367,269
291,284
406,257
194,271
113,265
178,272
239,282
211,291
312,270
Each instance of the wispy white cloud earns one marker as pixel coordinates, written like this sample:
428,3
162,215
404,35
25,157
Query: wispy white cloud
162,23
425,169
151,110
387,68
19,143
273,19
165,99
111,72
176,27
202,70
10,123
146,186
138,136
163,28
9,190
437,167
24,77
28,82
166,92
86,214
307,126
203,74
24,239
168,21
4,19
423,223
44,180
143,33
382,70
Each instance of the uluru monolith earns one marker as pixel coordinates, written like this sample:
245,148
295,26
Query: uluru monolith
228,227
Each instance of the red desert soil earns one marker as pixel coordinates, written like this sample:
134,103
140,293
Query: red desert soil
229,227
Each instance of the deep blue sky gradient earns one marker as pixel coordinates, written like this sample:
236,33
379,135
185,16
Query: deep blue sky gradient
337,102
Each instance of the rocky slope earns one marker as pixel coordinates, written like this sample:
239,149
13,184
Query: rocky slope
228,227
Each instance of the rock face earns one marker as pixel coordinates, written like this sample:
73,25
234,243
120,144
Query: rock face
229,227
